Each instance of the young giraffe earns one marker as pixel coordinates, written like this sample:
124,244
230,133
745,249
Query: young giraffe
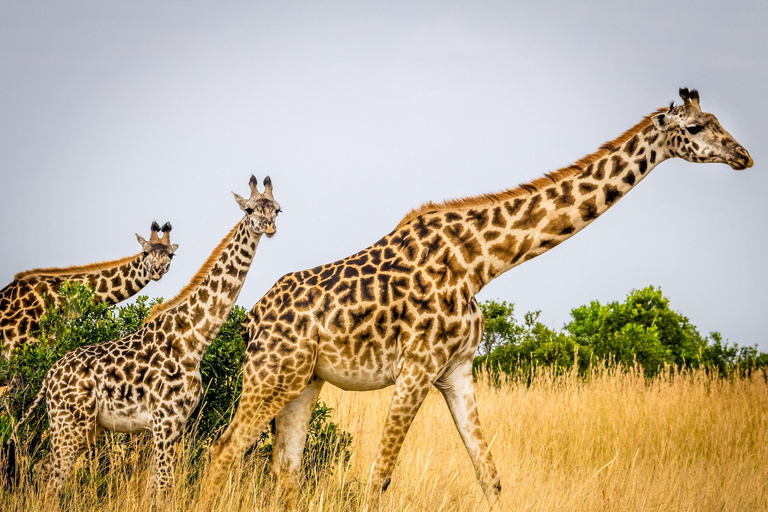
402,312
22,302
150,380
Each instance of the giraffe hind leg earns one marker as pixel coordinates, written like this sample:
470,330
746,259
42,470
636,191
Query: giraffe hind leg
457,388
291,426
71,435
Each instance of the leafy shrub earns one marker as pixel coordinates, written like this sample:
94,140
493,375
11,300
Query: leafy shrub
641,330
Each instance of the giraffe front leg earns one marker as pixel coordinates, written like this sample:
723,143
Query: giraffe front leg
291,426
411,388
458,390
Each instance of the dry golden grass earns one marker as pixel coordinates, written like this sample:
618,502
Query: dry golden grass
612,442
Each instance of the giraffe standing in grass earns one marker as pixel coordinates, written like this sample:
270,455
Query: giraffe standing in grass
23,301
150,380
403,312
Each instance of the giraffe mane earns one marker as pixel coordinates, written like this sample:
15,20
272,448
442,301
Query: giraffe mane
75,269
533,186
196,280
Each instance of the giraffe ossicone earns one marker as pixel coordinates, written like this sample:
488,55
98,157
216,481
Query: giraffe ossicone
403,312
24,300
150,379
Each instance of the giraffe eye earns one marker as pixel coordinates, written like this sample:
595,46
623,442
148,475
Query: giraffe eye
278,212
170,256
694,129
249,211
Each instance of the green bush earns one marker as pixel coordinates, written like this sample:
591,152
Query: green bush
643,330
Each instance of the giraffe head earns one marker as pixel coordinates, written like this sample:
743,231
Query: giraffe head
697,136
158,251
260,209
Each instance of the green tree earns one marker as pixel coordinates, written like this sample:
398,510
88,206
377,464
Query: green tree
643,328
501,327
518,348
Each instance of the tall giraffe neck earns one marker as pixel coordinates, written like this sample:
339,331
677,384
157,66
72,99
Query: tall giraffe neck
112,281
201,308
494,233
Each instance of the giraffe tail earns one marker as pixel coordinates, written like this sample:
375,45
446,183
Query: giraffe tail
8,451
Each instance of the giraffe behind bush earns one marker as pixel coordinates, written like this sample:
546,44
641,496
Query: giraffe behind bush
23,301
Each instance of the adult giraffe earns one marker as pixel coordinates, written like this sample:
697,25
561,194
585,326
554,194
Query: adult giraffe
402,312
23,300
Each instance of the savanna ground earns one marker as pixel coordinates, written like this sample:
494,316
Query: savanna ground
610,441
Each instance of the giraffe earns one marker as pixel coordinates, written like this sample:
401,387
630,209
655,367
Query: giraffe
403,312
150,379
23,301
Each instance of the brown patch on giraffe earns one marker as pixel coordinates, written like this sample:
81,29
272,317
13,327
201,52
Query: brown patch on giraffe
631,145
498,219
462,237
359,317
612,194
523,248
347,292
504,251
588,209
566,198
479,218
619,164
533,215
643,164
600,171
560,225
514,207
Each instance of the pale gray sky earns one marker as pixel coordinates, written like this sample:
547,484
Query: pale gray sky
114,115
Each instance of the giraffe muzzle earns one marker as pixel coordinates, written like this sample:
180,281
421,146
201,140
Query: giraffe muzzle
742,160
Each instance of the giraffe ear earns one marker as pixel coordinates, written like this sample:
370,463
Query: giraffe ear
174,247
141,240
240,201
662,121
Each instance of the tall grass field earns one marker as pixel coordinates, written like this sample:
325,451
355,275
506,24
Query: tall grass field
613,441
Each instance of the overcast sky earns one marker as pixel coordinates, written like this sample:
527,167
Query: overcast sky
112,116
